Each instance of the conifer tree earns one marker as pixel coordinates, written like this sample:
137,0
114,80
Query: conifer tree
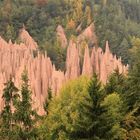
104,114
116,83
96,94
93,110
133,77
25,115
9,96
131,121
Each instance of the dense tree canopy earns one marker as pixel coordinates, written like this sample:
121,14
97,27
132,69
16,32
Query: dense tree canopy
85,109
115,20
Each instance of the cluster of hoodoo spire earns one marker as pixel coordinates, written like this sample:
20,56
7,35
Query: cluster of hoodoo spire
14,58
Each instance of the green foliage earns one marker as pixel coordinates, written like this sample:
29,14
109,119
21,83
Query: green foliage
132,9
104,113
131,121
113,23
85,109
93,110
24,114
133,77
131,125
9,96
112,117
116,83
66,111
40,20
17,118
57,55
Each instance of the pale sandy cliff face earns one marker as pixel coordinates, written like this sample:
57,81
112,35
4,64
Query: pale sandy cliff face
14,58
27,39
61,37
88,34
72,61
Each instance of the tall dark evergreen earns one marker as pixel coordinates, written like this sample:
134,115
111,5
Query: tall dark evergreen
93,110
131,121
96,94
134,76
24,114
116,83
104,113
41,18
82,111
134,86
7,118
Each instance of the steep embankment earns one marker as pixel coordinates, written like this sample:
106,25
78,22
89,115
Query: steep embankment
41,71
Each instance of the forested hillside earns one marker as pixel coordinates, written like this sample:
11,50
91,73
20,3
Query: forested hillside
115,20
76,92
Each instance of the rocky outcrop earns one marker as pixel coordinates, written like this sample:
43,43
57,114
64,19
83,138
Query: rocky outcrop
14,58
58,78
61,37
103,64
27,39
72,61
87,67
88,34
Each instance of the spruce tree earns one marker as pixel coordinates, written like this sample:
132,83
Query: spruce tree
25,115
116,83
96,94
7,118
93,110
134,86
131,122
104,113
